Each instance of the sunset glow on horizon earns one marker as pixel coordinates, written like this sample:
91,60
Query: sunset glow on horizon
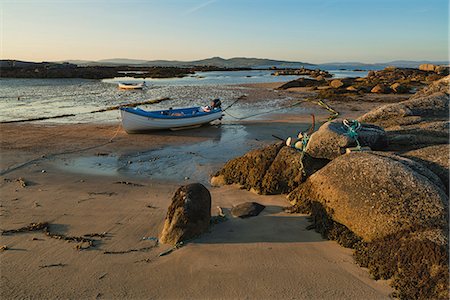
309,31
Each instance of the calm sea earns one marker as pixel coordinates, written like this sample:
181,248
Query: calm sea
30,98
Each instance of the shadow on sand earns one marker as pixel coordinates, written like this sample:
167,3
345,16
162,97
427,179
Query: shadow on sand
271,226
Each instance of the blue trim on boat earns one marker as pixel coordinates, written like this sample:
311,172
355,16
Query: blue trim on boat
190,112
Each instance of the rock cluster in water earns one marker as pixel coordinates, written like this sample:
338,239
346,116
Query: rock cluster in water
390,80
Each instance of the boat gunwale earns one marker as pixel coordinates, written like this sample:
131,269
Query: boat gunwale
157,114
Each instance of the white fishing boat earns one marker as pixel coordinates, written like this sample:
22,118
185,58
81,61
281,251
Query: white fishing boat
138,120
132,86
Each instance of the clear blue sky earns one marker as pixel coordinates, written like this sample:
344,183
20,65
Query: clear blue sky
301,30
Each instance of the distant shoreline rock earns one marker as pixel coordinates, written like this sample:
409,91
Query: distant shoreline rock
18,69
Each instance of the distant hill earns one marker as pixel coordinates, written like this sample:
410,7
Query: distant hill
236,62
245,62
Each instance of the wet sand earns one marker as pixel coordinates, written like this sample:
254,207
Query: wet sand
75,180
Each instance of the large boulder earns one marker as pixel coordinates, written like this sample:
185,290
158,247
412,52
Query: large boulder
436,158
375,194
427,67
332,138
188,215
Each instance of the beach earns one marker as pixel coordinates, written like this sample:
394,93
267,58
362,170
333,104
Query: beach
95,180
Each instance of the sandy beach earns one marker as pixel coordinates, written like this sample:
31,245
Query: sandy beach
266,257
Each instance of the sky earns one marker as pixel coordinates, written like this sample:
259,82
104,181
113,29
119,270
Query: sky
315,31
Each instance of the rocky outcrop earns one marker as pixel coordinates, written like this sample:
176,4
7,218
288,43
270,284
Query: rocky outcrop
419,121
247,210
374,194
438,86
288,170
275,169
249,170
303,71
332,138
188,215
408,112
300,82
434,68
427,67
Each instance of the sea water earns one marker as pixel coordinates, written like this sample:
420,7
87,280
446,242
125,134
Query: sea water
34,98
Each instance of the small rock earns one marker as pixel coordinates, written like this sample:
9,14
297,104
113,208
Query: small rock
247,209
379,89
336,83
217,181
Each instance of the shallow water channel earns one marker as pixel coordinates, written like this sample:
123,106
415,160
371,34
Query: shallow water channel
175,163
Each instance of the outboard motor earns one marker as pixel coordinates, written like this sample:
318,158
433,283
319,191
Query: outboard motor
217,103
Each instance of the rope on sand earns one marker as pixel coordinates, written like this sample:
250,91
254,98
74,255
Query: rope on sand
333,114
265,112
53,155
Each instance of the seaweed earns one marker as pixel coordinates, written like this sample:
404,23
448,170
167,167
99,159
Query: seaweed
418,267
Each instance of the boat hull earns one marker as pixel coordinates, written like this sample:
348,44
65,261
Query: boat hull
130,86
133,123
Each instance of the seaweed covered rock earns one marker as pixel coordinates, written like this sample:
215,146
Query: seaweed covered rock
375,194
249,169
188,215
332,138
288,170
275,169
301,82
436,158
417,260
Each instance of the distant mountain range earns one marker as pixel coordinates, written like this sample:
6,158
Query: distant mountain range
254,63
236,62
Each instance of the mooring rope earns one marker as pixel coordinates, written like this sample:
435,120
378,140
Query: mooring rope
265,112
352,128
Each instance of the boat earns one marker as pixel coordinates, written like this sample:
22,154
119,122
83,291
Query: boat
137,120
132,86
